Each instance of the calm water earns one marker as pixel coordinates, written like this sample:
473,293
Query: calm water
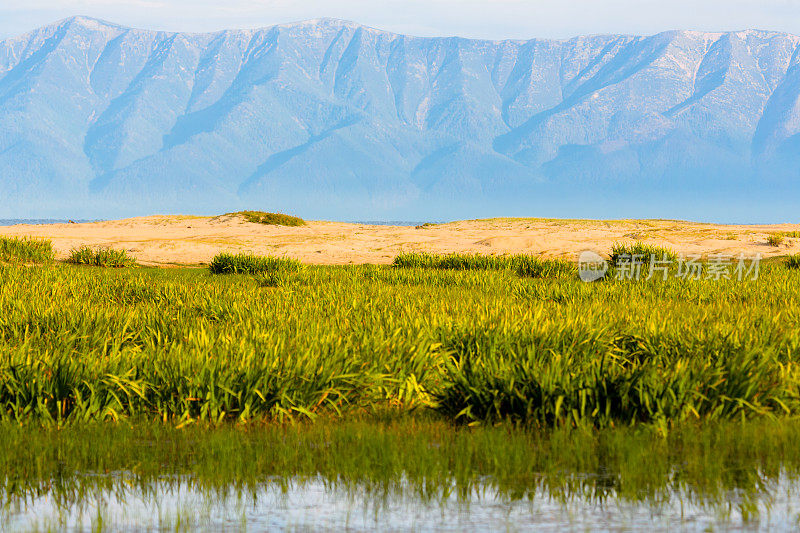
314,505
393,222
15,221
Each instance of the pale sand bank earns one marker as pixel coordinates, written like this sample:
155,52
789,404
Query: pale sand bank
185,240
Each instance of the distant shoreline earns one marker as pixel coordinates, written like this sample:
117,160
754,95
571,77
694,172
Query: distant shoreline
39,221
44,221
165,240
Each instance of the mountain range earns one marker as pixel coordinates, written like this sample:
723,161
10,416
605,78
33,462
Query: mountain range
331,119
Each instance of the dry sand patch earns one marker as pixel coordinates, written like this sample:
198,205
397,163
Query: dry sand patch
190,240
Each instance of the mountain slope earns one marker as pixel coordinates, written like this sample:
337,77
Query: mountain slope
331,119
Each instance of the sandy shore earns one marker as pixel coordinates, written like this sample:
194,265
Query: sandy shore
186,240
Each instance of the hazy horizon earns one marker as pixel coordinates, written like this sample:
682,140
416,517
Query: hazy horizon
481,19
386,30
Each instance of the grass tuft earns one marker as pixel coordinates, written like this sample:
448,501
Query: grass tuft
775,239
100,257
272,278
533,267
646,251
248,263
793,262
524,265
270,219
25,250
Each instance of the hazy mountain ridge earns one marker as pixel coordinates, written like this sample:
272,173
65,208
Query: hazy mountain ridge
329,118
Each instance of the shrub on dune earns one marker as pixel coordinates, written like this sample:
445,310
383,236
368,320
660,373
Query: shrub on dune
270,219
776,239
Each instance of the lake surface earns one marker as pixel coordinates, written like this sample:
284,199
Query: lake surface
15,221
316,505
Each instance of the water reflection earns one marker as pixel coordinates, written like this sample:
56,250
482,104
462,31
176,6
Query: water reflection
120,501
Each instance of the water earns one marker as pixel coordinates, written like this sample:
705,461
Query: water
316,505
392,222
15,221
33,221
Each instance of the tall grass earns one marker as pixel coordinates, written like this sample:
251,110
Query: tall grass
271,219
524,265
100,257
793,262
25,250
248,263
643,251
471,346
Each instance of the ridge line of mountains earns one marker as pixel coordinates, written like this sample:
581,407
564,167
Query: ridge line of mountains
330,119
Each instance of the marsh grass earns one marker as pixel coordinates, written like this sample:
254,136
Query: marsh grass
249,263
545,268
415,382
100,257
25,250
644,251
451,261
271,219
272,278
472,346
524,265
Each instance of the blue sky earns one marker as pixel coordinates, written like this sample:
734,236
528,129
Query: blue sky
493,19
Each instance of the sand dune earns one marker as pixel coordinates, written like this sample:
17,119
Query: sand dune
187,240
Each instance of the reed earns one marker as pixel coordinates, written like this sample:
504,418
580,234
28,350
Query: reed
471,346
25,250
100,257
248,263
524,265
643,251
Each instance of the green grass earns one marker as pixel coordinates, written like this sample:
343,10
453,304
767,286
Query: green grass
272,219
100,257
775,239
789,234
450,261
25,250
524,265
793,262
644,251
248,263
471,346
420,380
